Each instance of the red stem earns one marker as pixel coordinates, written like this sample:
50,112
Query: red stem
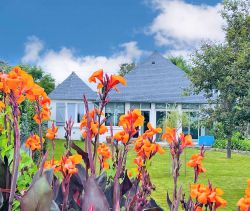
53,151
65,185
116,192
89,139
17,145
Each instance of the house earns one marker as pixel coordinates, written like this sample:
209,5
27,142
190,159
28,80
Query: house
156,86
67,101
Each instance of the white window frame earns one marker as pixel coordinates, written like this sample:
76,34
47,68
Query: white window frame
114,115
76,124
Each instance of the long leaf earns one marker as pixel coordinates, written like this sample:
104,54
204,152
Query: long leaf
82,153
38,197
152,206
77,182
1,200
102,180
126,184
94,197
169,202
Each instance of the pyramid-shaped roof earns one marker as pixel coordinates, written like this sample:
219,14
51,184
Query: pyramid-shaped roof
156,80
72,88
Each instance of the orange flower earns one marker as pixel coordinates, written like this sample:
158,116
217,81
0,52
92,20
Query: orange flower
33,142
196,162
138,161
186,140
122,136
157,148
51,132
22,87
145,148
197,208
107,82
131,121
129,173
105,154
96,75
43,116
68,164
2,105
207,195
93,124
170,135
53,164
151,131
104,151
114,80
244,202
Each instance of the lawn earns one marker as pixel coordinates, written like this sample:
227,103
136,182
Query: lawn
229,174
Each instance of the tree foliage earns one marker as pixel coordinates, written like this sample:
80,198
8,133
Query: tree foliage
222,71
180,62
126,68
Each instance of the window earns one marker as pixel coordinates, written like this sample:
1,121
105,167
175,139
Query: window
190,106
113,111
134,105
145,105
160,105
140,105
60,114
74,110
171,106
80,112
191,126
71,108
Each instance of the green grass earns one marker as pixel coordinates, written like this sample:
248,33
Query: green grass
228,174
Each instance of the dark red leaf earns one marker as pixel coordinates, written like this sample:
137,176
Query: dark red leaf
94,197
82,153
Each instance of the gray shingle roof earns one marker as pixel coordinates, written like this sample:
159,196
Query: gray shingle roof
156,80
72,88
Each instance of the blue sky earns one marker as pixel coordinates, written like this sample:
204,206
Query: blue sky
64,36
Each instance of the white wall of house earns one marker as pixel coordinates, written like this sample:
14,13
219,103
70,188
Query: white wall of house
152,110
71,108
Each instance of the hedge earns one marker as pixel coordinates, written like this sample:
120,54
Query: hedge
237,144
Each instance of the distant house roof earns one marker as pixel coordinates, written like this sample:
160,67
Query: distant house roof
72,88
156,80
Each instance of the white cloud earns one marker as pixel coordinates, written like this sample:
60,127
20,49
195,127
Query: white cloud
61,63
184,53
32,49
181,26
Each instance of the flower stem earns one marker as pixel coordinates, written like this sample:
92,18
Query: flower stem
17,145
89,140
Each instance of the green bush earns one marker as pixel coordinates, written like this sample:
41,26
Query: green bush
237,144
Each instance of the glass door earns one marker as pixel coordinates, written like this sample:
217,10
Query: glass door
146,115
192,126
160,119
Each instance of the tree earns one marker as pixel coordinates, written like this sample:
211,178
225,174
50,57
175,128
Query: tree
175,119
126,68
4,66
180,62
222,71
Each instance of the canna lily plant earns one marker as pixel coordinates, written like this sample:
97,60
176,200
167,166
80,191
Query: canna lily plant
96,176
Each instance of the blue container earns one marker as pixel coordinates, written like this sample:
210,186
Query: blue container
206,140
